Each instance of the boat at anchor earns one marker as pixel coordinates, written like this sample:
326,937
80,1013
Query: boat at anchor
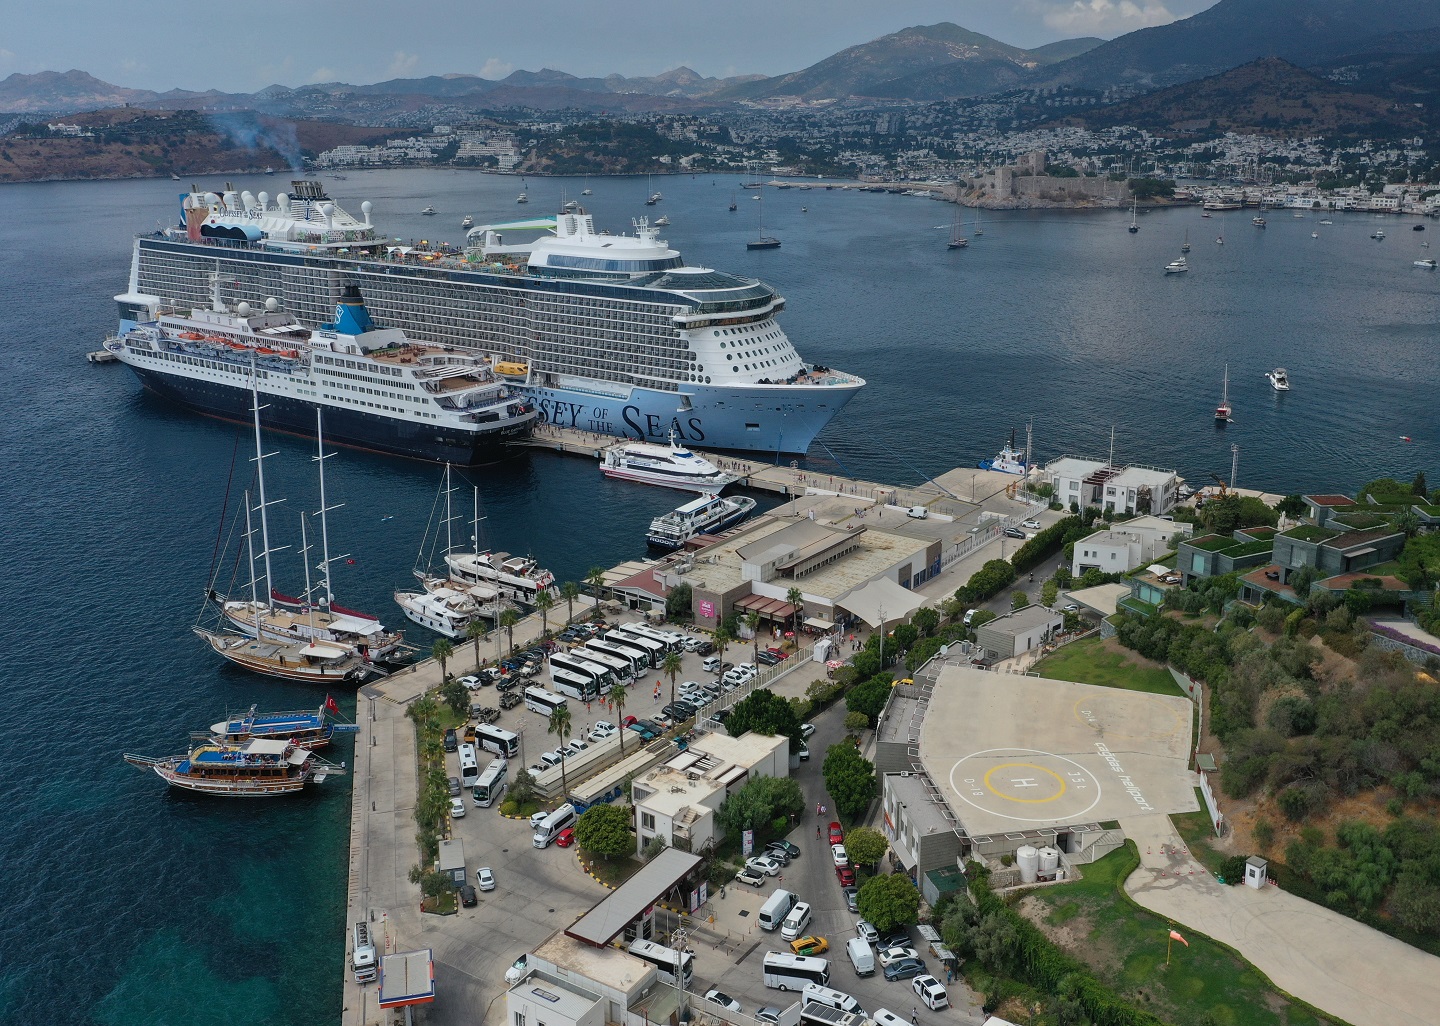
260,768
307,728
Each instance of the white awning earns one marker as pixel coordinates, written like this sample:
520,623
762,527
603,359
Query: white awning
354,624
819,623
881,595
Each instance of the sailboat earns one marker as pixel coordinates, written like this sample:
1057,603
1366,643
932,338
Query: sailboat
733,205
587,190
763,241
445,607
1185,246
978,232
1134,225
1223,411
957,237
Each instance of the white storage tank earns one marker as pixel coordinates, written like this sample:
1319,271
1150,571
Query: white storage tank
1028,859
1049,860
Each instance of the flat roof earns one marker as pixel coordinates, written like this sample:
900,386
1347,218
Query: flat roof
569,1002
926,810
407,978
1023,620
607,920
1102,598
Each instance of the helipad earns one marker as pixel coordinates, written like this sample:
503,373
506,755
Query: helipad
1013,752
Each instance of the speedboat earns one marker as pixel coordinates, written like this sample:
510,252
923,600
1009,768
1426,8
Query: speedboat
1378,233
428,211
522,198
662,221
1314,235
1279,380
469,222
1428,263
1177,266
1326,220
668,466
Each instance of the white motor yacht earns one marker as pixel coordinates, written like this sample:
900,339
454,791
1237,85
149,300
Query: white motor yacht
1427,262
1279,380
1177,266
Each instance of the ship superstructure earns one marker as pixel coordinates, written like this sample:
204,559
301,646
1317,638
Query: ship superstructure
608,333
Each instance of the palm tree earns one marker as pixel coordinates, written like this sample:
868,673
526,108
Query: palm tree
722,638
441,651
508,620
797,599
477,632
544,601
672,665
560,726
752,620
570,591
618,694
595,577
1407,521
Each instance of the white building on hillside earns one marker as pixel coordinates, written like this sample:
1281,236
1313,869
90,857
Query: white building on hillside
1123,547
1124,489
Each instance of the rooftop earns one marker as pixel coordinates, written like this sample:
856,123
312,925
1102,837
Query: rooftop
1330,500
569,1002
1023,620
926,810
603,923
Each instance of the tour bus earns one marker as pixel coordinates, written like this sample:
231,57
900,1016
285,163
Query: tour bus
636,660
785,971
655,650
537,699
631,648
504,743
492,781
665,961
672,642
547,829
469,766
619,666
575,685
602,676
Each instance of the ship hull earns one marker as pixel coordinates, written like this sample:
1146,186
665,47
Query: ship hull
759,418
343,426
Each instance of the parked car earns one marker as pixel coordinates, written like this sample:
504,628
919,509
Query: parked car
804,752
931,991
905,969
761,864
576,746
749,876
711,664
837,836
507,683
889,956
1014,532
969,617
457,808
846,875
774,853
768,658
839,854
471,682
722,999
810,945
453,784
516,972
898,937
690,644
807,729
645,730
1033,525
627,721
705,648
510,699
565,838
778,653
1071,608
867,932
852,897
917,512
452,743
791,851
768,1013
485,879
551,759
602,730
468,897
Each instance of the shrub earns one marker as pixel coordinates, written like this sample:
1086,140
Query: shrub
1233,869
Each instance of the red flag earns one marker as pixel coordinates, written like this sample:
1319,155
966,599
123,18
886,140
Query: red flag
331,705
1175,935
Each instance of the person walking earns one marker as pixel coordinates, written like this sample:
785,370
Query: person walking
915,1014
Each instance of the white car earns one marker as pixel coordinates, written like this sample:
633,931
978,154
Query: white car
457,808
471,683
931,991
839,854
576,746
889,956
760,864
602,730
867,933
750,670
516,972
1033,525
806,729
722,999
691,643
484,879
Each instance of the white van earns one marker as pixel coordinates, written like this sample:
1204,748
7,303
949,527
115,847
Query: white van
833,998
861,957
775,909
549,828
885,1017
917,512
795,923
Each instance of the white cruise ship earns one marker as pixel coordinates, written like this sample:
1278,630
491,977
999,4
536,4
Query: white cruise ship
607,333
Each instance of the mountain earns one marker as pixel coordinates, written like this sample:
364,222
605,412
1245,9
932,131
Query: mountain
51,91
1268,95
1235,32
923,62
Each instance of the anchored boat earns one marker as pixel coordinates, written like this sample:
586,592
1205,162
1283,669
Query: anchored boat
305,728
708,514
667,466
260,768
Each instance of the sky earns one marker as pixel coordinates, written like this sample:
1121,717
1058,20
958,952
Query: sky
247,45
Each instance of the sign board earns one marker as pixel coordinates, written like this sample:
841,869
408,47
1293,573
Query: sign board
747,843
707,609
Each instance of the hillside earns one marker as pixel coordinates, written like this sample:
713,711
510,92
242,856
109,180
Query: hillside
1268,95
922,62
1235,32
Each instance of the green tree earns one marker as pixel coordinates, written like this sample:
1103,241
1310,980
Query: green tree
433,884
569,591
760,802
850,779
1019,600
679,602
996,943
1301,580
752,621
888,901
866,845
765,712
869,698
605,830
796,598
453,694
544,602
1418,486
522,787
671,666
1408,522
618,694
560,726
595,577
926,621
508,619
856,722
441,651
477,631
722,639
1292,506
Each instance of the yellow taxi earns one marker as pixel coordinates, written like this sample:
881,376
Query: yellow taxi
810,946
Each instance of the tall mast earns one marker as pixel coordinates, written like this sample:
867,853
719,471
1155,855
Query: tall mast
475,537
305,558
260,456
250,544
326,595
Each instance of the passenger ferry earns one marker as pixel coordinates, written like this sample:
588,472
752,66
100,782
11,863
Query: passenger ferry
304,728
708,514
616,333
668,466
260,768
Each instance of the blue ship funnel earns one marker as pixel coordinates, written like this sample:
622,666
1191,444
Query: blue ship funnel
351,317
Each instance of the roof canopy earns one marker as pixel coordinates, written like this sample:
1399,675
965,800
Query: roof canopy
775,609
605,921
881,596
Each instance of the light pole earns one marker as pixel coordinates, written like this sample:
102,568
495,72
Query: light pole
678,939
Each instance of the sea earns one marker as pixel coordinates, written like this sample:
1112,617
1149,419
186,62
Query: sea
127,905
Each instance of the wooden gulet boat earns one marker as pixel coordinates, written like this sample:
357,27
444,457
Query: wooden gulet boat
260,768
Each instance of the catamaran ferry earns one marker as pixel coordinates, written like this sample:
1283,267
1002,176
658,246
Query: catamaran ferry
607,333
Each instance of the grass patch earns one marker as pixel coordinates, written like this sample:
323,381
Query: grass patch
614,872
1196,831
446,904
1095,661
1309,533
1128,943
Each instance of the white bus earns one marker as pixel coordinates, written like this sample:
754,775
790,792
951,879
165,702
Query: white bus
672,642
785,971
620,668
547,829
666,961
602,676
469,766
537,699
654,650
492,781
638,660
632,648
504,743
573,684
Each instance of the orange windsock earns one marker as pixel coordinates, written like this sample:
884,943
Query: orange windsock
1175,935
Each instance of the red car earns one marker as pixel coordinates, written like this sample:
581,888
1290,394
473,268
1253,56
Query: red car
846,875
837,836
567,838
778,653
629,720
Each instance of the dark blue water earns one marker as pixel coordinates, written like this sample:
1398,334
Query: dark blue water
127,905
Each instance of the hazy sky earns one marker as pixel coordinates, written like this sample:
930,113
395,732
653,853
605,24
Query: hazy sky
243,46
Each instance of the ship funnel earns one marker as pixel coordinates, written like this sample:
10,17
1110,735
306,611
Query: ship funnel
351,317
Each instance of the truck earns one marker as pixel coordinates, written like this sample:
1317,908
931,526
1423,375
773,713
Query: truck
363,962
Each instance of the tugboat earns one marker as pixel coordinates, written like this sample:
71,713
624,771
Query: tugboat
1009,460
260,768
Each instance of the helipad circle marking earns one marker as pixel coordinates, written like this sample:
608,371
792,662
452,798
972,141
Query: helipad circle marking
1080,775
1026,765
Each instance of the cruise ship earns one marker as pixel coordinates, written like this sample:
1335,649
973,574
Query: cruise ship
613,334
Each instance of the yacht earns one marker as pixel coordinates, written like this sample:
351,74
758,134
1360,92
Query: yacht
1378,233
1326,220
469,222
522,198
428,211
709,514
1177,266
1426,262
662,221
1279,380
668,466
1258,221
444,610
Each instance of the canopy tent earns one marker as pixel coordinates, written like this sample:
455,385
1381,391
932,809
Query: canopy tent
818,623
880,596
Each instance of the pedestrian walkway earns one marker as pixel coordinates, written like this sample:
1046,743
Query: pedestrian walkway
1338,965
